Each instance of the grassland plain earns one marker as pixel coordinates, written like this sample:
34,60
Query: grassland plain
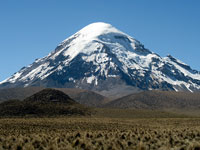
101,133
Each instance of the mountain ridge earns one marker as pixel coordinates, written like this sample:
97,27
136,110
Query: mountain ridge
84,97
47,102
158,100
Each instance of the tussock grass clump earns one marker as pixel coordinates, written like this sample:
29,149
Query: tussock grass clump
95,133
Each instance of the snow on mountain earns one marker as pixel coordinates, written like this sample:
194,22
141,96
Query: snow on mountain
100,57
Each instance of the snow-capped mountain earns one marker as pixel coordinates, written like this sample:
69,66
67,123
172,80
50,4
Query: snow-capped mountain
100,57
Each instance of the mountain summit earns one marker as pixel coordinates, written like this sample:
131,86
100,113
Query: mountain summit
99,57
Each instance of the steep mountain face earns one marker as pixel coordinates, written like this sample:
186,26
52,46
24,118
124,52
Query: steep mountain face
102,58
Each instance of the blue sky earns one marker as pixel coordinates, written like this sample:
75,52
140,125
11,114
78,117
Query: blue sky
31,29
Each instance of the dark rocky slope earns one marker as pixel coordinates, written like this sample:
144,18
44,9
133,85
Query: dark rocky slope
48,102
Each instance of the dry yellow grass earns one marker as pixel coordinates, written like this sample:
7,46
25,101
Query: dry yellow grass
99,133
